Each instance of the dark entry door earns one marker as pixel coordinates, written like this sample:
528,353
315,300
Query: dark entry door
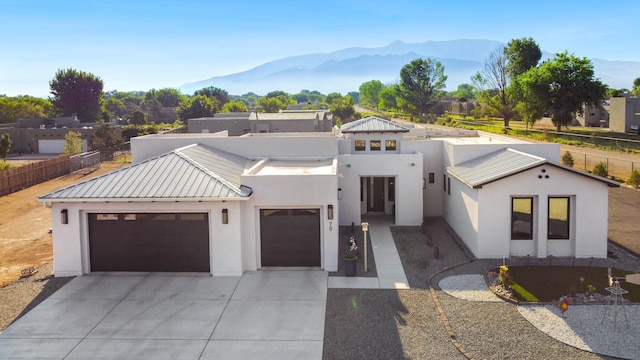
376,195
290,237
171,242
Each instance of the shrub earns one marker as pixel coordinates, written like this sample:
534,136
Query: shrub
567,159
634,179
601,169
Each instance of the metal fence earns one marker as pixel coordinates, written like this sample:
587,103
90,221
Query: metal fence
87,160
616,167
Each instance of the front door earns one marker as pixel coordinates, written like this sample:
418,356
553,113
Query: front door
376,194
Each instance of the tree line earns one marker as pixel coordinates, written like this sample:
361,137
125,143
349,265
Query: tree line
81,93
513,84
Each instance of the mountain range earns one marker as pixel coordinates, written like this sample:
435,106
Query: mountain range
345,70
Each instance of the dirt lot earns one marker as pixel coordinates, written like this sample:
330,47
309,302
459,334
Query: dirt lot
25,240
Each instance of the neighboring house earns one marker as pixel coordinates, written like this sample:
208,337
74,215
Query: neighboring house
254,122
625,114
47,135
224,205
595,116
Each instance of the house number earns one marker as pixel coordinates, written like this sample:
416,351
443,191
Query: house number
330,225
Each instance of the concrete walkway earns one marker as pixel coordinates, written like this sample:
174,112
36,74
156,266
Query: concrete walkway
390,271
265,314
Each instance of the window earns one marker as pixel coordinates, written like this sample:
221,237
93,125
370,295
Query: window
444,182
389,145
448,186
558,221
432,178
374,145
522,218
361,145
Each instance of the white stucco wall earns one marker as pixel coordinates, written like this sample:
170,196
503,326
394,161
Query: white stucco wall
432,162
270,145
461,211
588,215
291,191
71,241
407,170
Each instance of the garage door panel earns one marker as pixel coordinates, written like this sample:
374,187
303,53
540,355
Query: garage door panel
290,237
149,242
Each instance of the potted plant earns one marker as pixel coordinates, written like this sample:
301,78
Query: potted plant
351,258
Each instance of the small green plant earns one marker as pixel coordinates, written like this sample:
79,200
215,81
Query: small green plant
567,159
634,179
504,278
601,169
591,289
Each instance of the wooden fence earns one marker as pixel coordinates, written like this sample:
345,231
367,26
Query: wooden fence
12,180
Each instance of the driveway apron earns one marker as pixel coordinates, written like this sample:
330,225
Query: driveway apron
264,314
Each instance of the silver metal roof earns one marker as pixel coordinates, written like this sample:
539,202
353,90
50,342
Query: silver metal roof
372,124
494,166
195,172
506,162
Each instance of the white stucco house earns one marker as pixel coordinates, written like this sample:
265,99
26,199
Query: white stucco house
224,205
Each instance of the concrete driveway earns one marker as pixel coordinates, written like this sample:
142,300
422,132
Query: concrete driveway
265,314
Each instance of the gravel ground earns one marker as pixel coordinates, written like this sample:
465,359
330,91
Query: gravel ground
407,324
17,298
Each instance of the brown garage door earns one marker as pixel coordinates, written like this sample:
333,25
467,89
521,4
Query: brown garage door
149,242
290,237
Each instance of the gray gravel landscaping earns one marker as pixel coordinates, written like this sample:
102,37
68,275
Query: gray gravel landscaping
405,324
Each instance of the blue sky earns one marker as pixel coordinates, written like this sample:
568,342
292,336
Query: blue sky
139,45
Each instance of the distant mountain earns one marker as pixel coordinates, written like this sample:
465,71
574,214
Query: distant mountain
344,70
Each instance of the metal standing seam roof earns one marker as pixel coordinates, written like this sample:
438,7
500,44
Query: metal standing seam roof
190,173
505,162
372,124
494,166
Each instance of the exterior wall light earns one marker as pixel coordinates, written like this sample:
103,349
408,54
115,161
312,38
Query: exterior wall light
225,216
64,216
330,212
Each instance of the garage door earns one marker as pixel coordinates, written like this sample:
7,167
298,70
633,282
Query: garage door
149,242
290,237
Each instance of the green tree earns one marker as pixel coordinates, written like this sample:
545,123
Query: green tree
234,106
213,92
5,146
464,92
138,117
333,97
370,93
115,106
600,169
105,139
564,85
388,98
355,96
170,97
522,55
197,107
14,108
567,159
72,143
634,179
636,87
421,83
77,92
271,105
342,108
